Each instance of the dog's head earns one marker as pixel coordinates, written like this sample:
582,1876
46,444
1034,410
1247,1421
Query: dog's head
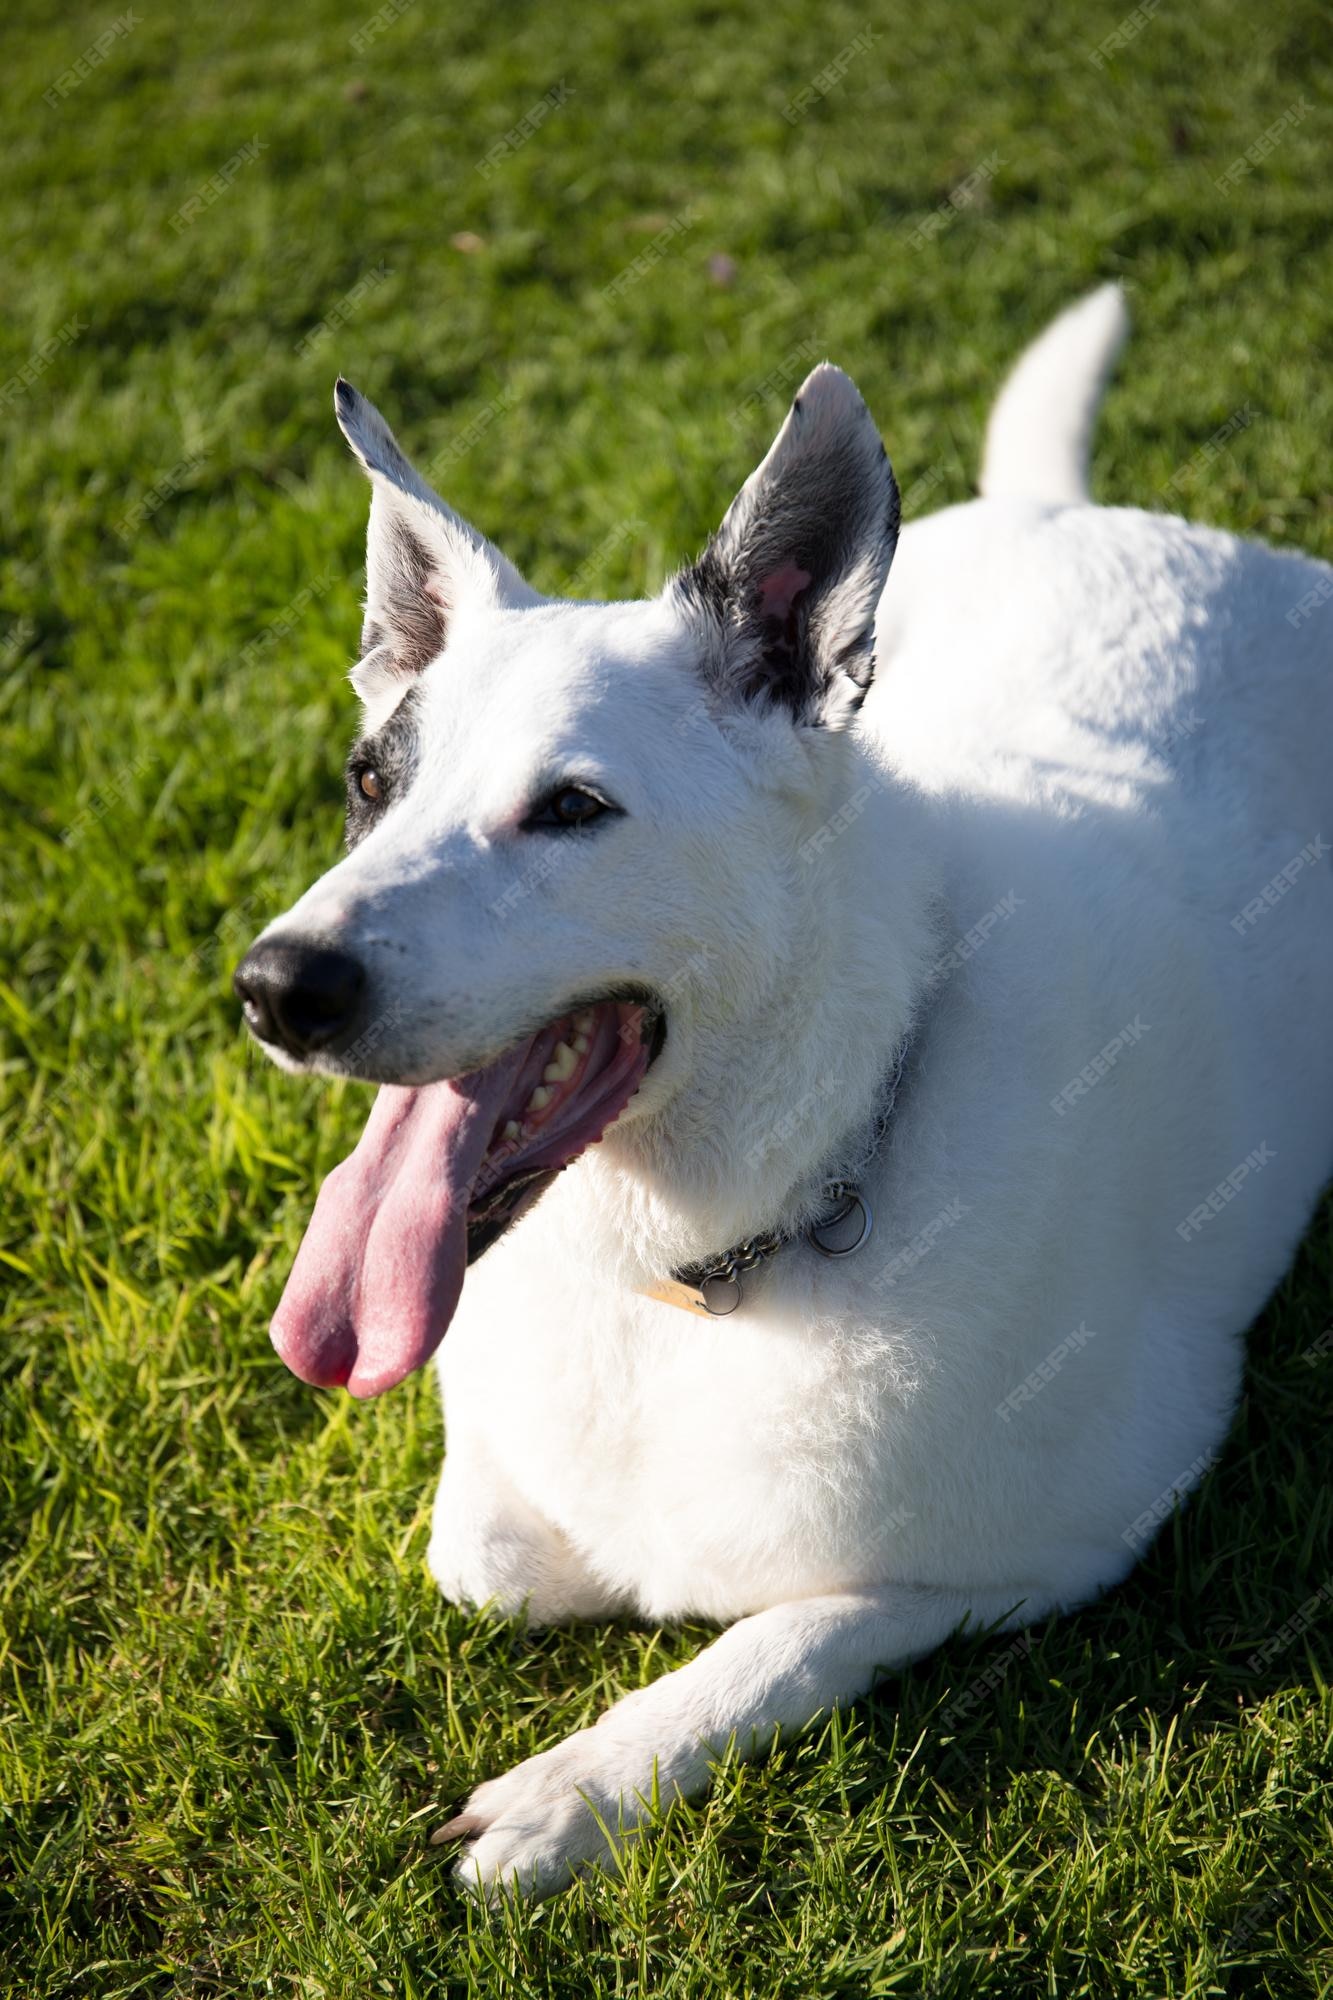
571,831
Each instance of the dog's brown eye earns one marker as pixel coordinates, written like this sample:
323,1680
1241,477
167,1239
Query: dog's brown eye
369,782
573,807
568,807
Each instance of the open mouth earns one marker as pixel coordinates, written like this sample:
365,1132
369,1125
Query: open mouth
439,1173
577,1076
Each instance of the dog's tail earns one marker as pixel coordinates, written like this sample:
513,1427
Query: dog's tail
1040,429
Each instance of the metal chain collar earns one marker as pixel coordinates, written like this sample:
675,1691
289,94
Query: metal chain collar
715,1288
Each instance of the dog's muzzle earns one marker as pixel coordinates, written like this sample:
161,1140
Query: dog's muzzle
300,997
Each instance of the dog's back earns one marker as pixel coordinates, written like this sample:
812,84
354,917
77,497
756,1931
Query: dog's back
1170,683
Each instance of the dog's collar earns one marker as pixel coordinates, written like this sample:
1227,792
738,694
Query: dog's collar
715,1287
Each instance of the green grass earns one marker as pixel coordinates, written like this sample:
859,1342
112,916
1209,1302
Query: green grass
231,1706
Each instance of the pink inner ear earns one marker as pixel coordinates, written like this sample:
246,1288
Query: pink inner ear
778,592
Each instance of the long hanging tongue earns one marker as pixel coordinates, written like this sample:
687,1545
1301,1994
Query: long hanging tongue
379,1272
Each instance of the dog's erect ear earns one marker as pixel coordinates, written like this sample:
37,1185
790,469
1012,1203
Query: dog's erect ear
786,590
422,560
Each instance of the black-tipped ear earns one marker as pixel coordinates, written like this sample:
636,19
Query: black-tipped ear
786,590
422,560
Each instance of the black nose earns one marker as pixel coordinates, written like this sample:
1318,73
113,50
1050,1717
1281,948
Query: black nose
301,997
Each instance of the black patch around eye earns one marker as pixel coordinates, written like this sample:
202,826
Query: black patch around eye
391,753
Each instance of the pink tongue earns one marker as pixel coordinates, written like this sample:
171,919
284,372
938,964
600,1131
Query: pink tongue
379,1272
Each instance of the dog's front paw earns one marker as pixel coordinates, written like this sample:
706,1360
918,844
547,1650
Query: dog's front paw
544,1822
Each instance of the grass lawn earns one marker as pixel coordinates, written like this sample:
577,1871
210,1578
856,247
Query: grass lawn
231,1705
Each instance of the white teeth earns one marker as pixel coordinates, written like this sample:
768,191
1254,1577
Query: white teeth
563,1066
513,1130
540,1098
583,1023
581,1045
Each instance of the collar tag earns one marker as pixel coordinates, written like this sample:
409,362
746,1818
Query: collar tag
713,1297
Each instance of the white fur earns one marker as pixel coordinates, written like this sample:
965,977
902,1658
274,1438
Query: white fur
1040,431
1102,725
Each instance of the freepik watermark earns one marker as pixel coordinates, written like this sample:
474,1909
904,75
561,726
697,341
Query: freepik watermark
1314,600
1045,1371
232,930
578,580
792,1120
1279,886
1142,1529
1123,33
17,640
694,717
530,880
472,433
379,24
1101,1065
518,135
101,803
143,509
1253,1918
915,495
838,822
345,309
791,366
986,1683
1211,449
353,1057
969,944
631,1031
287,621
212,190
18,384
1286,1634
1267,142
920,1245
962,197
1317,1349
1225,1192
83,1081
828,78
648,259
1179,731
92,58
893,1523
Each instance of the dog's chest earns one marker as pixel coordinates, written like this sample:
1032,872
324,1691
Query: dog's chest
704,1466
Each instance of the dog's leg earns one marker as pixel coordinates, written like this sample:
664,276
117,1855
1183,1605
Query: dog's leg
489,1546
543,1821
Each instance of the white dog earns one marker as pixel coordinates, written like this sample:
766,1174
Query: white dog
1009,985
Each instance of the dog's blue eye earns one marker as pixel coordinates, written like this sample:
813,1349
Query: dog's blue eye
570,806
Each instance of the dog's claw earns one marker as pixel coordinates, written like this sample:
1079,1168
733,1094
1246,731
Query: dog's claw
463,1826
